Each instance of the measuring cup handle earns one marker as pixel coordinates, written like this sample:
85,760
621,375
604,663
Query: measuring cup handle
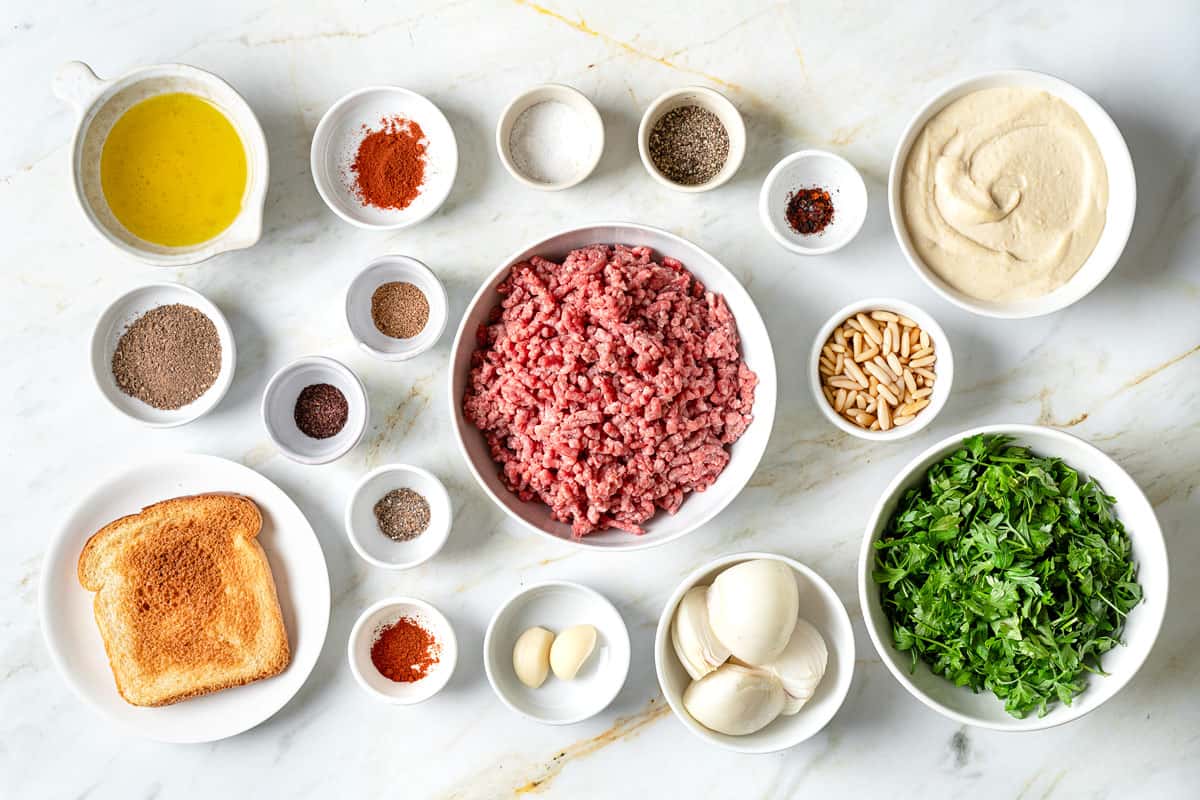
76,84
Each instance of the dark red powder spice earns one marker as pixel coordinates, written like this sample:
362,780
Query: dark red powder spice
389,168
404,651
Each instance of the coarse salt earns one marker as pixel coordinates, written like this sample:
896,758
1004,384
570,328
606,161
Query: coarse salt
549,142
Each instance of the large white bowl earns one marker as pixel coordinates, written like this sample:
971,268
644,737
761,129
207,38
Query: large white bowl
698,508
820,605
1122,194
1141,629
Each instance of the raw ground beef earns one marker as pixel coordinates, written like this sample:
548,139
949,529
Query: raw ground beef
608,386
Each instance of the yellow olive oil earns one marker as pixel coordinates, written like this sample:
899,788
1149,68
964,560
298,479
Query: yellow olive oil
173,170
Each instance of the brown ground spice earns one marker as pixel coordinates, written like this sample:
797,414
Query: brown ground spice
399,309
168,357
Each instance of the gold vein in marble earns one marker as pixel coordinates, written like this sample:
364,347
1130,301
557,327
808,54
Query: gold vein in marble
416,402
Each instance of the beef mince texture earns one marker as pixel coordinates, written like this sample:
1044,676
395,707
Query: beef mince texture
608,386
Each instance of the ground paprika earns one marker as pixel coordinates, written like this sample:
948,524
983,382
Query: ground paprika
404,651
389,167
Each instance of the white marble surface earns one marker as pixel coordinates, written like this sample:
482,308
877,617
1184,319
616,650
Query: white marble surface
1121,368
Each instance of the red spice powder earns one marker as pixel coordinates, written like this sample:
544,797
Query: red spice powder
389,168
404,651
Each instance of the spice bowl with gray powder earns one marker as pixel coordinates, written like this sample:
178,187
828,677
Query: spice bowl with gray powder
692,139
398,516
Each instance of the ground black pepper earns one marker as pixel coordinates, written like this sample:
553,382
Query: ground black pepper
321,411
809,210
402,514
689,145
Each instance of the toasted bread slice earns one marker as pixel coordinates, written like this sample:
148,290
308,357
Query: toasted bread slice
185,601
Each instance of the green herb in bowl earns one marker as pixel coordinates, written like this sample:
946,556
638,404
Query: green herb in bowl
1007,571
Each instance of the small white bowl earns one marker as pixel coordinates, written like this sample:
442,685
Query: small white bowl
116,319
365,632
573,99
944,368
556,605
99,104
819,604
279,409
1121,663
803,170
342,129
711,100
363,529
1122,194
386,269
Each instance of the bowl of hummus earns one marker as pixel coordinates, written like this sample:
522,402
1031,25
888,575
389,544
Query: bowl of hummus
1012,194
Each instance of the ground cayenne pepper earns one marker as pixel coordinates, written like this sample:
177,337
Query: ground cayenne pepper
404,651
809,210
389,168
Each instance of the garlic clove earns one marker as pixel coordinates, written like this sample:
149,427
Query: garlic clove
571,649
531,656
696,646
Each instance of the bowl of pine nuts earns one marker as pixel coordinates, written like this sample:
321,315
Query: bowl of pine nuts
881,369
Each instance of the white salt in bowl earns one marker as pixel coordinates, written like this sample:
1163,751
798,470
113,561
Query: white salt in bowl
365,632
362,528
340,132
112,324
590,146
803,170
279,409
386,269
708,99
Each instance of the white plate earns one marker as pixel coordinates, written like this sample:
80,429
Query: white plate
744,454
112,325
297,564
556,605
340,132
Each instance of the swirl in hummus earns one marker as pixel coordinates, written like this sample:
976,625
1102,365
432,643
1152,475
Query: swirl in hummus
1004,194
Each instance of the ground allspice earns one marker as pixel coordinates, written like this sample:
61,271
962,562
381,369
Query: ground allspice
399,309
809,210
321,411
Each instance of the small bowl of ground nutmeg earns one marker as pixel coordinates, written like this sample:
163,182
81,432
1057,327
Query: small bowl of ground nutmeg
315,410
692,139
163,354
396,308
813,202
398,516
402,650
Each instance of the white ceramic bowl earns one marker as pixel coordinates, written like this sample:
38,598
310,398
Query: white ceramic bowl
820,605
342,129
706,98
593,146
279,409
1122,663
744,454
556,605
803,170
363,529
366,631
99,104
944,368
1122,194
120,314
383,270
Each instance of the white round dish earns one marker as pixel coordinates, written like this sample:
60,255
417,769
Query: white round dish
944,368
744,454
363,529
819,604
279,409
573,99
297,565
1142,626
358,307
385,613
112,324
99,104
342,129
803,170
556,605
706,98
1122,194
